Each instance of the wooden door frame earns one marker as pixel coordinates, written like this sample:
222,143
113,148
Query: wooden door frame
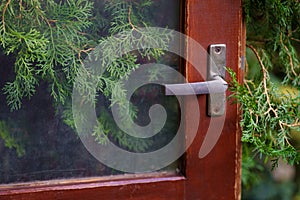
216,176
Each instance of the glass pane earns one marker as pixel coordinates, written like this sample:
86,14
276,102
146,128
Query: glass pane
43,47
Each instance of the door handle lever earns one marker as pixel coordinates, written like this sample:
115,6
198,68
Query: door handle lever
215,87
208,87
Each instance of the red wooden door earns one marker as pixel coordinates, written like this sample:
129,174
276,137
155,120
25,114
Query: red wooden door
214,176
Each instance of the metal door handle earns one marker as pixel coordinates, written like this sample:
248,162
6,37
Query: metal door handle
215,87
208,87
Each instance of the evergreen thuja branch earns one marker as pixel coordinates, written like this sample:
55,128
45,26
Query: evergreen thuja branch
295,39
84,51
11,140
58,24
3,14
295,124
50,40
291,62
268,117
274,26
265,78
264,133
129,18
123,23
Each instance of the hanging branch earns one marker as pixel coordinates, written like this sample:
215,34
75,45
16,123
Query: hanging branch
265,77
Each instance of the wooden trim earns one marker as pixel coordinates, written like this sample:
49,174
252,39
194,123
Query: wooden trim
147,186
88,180
240,72
216,176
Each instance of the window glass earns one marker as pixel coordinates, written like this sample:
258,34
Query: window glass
38,138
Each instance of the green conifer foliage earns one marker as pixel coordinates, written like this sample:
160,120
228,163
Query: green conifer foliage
46,38
270,95
49,41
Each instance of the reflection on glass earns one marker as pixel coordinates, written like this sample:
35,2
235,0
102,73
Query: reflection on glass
38,141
